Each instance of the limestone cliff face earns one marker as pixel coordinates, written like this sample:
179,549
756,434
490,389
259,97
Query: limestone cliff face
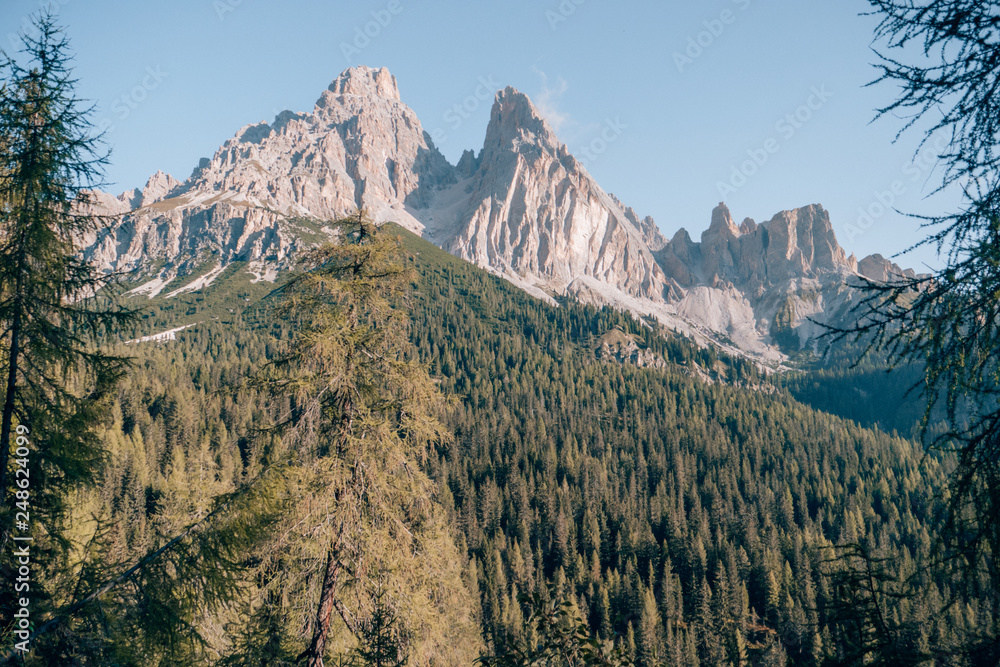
523,208
651,234
794,244
790,271
361,146
535,213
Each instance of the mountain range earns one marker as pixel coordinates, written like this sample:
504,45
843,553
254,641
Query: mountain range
523,207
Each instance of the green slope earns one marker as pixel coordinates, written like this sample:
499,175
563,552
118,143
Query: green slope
689,515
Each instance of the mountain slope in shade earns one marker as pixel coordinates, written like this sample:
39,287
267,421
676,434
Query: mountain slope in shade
523,208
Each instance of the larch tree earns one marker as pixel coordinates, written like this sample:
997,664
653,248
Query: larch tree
944,58
365,532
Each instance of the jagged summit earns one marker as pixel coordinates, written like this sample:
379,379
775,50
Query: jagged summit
798,243
722,223
523,207
365,82
533,214
514,121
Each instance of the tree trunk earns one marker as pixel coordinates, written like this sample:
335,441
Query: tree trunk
8,408
314,654
15,343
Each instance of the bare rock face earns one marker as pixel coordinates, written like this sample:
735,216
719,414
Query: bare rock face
878,268
719,245
786,273
524,208
681,259
802,242
535,214
361,146
651,234
793,244
620,347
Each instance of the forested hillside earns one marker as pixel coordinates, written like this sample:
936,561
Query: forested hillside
688,517
846,381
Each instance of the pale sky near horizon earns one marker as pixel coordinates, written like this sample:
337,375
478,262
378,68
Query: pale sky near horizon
674,106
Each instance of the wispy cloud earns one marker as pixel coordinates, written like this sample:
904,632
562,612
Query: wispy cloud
547,101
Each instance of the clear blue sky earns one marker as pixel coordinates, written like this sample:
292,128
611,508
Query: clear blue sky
668,97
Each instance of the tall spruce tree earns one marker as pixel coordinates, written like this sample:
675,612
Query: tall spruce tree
55,306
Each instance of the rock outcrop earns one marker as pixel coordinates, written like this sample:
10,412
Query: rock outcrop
771,281
620,347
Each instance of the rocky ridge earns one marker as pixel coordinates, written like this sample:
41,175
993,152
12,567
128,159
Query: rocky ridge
534,214
257,199
523,208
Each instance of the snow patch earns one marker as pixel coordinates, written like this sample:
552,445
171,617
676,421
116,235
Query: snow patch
163,336
198,283
153,287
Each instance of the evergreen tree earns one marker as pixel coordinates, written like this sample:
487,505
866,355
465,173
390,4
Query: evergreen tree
942,55
55,310
360,420
54,305
382,642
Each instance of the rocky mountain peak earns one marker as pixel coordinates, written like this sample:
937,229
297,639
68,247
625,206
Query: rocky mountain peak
366,82
533,214
516,123
795,244
157,187
802,242
878,268
722,223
